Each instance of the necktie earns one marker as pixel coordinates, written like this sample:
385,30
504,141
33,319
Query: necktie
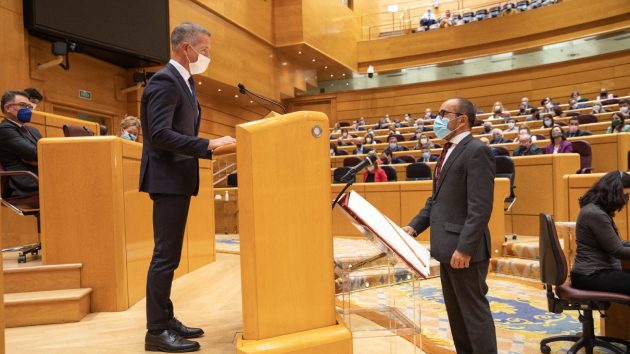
27,132
192,87
438,167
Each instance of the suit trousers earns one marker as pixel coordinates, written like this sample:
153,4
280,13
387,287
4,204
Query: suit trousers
469,316
169,222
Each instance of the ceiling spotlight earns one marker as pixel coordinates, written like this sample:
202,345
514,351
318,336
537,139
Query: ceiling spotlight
284,63
343,74
200,83
347,84
219,90
235,96
299,52
325,66
331,75
250,101
313,60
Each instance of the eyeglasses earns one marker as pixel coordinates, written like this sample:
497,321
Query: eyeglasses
444,112
22,105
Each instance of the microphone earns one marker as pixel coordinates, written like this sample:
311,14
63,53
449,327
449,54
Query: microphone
369,161
243,90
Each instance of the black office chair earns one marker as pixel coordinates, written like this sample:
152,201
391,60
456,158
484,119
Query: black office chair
340,172
587,119
391,173
561,296
232,180
406,158
505,169
418,171
24,205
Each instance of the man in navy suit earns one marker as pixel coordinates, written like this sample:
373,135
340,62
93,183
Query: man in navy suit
18,150
169,172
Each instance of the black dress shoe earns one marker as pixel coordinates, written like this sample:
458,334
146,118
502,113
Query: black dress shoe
170,342
185,332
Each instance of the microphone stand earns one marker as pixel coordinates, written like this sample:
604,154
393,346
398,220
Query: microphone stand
348,184
243,89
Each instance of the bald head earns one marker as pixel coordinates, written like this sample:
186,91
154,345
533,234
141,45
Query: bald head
466,107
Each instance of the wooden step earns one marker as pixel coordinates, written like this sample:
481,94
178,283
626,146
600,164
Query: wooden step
46,307
42,278
519,267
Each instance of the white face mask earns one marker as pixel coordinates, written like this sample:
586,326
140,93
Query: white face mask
549,105
511,125
200,66
623,109
370,168
35,106
497,108
597,107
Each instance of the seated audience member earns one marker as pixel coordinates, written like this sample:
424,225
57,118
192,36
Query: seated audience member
425,141
618,124
427,156
577,96
526,147
522,130
34,96
485,140
534,115
598,108
600,249
361,123
103,130
417,135
360,148
428,114
447,20
18,150
341,142
487,128
574,104
574,128
497,111
336,128
559,143
511,126
393,145
427,19
408,120
345,134
547,104
548,121
419,125
374,173
130,128
387,119
381,124
497,137
368,139
509,9
524,108
354,125
333,149
603,95
624,107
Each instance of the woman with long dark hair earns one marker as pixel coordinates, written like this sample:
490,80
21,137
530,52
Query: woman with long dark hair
600,249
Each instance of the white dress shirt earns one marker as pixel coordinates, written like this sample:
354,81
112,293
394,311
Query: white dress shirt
455,140
182,71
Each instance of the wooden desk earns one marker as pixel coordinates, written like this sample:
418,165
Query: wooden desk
92,213
226,211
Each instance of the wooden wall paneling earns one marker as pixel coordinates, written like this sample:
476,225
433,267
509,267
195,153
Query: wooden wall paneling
254,16
288,22
341,225
13,66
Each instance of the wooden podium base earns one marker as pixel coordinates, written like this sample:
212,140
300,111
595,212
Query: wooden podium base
330,340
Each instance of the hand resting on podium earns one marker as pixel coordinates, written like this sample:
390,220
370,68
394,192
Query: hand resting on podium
224,140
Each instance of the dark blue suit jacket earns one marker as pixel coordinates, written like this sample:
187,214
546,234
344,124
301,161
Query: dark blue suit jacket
170,117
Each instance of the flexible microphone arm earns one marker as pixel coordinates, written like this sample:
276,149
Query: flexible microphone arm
244,90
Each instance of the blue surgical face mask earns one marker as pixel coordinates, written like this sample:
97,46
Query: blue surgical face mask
393,145
129,136
24,115
426,155
440,127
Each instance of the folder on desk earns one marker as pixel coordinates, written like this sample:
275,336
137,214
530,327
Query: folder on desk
372,222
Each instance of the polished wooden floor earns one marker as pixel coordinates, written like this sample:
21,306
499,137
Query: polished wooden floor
209,297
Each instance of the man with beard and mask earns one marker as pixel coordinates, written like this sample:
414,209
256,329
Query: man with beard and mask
574,128
18,151
169,172
458,212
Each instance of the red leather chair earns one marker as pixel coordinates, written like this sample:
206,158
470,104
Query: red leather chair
24,205
561,296
583,148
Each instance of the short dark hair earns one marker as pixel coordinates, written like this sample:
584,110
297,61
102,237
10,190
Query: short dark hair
574,118
466,107
33,93
10,96
607,193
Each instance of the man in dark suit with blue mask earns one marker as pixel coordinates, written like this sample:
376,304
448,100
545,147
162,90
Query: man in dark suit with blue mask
458,213
169,172
18,150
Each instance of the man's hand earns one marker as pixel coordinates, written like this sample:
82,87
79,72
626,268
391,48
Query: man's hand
460,260
409,230
225,140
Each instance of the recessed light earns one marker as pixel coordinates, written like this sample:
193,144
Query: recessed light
299,52
313,60
347,84
343,74
325,66
285,63
200,83
250,101
331,75
235,96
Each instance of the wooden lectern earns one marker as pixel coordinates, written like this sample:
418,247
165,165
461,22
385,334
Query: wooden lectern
286,242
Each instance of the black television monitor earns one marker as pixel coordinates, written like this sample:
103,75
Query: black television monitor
126,33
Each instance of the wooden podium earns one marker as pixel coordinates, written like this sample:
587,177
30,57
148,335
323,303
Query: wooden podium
286,241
